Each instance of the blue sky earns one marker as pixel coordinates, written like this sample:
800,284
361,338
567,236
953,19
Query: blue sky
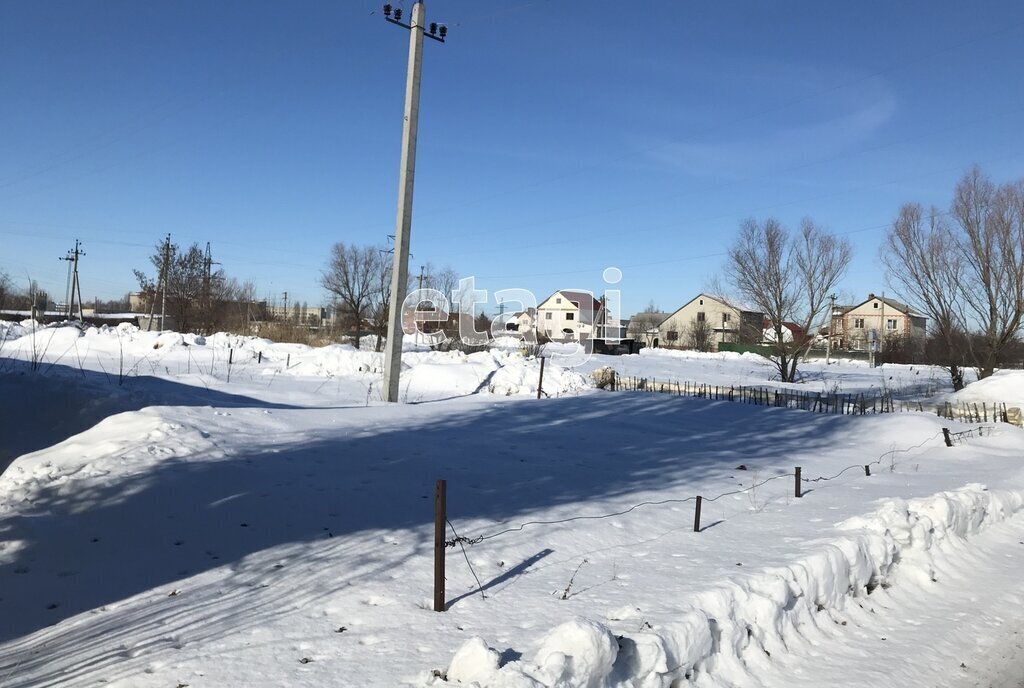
556,139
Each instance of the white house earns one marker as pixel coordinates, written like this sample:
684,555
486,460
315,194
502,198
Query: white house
876,319
706,321
643,327
568,315
522,321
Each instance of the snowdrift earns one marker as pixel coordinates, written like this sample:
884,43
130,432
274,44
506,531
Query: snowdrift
1006,386
428,375
734,627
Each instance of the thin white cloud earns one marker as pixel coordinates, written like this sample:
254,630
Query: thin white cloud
835,120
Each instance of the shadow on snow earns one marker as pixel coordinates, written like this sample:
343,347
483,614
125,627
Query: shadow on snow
503,462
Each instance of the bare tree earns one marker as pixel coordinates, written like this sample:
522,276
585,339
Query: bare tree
190,287
6,287
33,296
699,335
446,281
925,270
381,298
966,272
353,274
787,277
990,221
643,327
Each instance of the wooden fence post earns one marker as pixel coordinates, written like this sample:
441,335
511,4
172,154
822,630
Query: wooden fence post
696,515
440,520
540,383
867,470
945,436
798,493
259,357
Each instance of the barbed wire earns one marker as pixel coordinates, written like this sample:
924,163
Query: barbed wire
877,461
463,541
587,517
960,436
747,489
460,540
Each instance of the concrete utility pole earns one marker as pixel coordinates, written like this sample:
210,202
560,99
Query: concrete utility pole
73,285
167,265
76,287
403,225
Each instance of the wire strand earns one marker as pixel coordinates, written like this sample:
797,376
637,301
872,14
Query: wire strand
462,541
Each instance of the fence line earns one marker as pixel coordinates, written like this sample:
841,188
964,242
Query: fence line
817,402
460,540
463,541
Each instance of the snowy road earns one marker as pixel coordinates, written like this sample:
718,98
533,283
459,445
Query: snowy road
1003,665
904,635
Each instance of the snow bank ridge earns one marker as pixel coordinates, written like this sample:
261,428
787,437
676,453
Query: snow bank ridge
744,622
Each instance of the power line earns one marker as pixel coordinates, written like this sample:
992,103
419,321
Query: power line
718,186
756,115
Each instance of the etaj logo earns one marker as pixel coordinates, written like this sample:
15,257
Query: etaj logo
595,319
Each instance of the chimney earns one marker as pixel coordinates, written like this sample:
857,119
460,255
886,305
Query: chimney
870,295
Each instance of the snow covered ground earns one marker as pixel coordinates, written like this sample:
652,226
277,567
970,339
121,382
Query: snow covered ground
172,519
841,376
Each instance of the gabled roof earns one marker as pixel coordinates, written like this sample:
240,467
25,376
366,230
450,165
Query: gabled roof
581,299
720,299
577,298
649,315
529,312
892,303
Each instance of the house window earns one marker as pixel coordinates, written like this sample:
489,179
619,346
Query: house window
558,300
725,318
570,316
858,323
700,316
702,302
547,316
876,304
672,335
890,324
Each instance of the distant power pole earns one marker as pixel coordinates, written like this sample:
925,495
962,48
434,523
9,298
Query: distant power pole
167,266
161,281
403,225
74,286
